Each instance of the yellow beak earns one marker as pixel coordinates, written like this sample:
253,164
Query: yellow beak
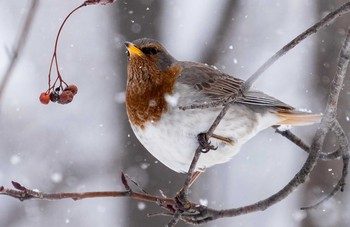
133,50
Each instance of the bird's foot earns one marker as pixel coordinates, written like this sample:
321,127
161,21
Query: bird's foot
182,203
204,142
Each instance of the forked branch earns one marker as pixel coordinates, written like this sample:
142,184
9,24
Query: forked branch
182,209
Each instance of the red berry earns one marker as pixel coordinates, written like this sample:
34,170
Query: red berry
66,97
72,88
44,98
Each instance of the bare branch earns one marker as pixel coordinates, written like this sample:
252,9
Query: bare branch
293,138
180,208
18,47
313,29
248,84
22,193
296,140
344,147
327,123
315,149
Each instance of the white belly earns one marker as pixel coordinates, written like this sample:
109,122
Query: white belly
173,139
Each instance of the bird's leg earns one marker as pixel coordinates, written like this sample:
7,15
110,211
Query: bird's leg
194,177
204,142
223,139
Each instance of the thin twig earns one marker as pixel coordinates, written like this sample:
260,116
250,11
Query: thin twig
19,46
319,136
175,218
313,29
344,147
22,193
293,138
343,63
204,105
197,214
327,123
199,148
182,195
299,142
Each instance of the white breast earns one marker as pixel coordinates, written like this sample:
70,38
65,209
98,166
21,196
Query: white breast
173,139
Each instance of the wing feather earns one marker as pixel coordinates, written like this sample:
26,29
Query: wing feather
210,85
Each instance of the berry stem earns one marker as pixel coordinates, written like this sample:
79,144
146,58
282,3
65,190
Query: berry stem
54,55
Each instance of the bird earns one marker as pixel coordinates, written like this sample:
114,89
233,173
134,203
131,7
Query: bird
158,88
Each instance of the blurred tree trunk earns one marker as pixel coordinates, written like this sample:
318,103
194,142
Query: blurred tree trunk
211,54
137,19
327,173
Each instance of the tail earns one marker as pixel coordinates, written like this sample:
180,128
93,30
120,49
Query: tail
298,118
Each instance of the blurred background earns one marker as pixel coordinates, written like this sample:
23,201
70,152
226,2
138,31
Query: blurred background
83,146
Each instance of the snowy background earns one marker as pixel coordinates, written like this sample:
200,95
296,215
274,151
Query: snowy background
83,146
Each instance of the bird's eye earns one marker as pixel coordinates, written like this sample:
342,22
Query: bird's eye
149,50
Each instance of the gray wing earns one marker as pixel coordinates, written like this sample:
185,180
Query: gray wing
204,84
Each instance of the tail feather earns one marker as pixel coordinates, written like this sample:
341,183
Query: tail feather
298,118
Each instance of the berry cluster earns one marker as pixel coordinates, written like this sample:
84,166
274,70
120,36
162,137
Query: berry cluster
58,95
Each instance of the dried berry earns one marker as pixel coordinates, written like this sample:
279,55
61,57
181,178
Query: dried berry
54,96
73,88
66,97
44,98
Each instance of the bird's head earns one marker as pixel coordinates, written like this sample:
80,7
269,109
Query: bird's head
152,73
148,55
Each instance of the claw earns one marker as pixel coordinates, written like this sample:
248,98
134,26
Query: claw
205,143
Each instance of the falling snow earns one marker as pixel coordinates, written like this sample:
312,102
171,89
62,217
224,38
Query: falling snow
305,110
284,127
203,202
141,205
56,177
250,52
172,100
144,165
15,159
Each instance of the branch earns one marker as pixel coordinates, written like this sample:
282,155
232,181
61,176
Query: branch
297,141
22,193
313,29
315,149
330,116
19,45
344,148
182,195
248,84
180,208
328,122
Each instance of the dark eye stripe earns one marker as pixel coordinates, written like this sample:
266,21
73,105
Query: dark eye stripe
149,50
